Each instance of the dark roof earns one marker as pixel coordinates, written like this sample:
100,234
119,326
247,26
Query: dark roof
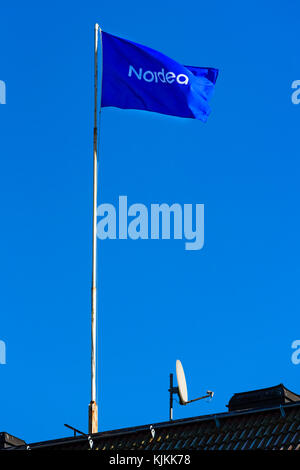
270,427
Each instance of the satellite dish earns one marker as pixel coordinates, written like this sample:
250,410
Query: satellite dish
182,388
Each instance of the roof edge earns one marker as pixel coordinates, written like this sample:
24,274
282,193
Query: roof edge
163,424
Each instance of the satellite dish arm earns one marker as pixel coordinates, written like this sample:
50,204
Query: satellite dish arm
209,394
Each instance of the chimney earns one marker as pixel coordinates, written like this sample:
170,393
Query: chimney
263,398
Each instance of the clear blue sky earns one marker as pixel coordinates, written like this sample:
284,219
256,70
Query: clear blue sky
229,311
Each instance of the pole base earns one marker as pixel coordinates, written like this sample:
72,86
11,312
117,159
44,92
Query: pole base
93,417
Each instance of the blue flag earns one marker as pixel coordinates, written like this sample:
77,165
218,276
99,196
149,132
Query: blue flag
137,77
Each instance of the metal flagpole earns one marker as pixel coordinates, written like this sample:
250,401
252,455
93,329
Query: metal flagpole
93,408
